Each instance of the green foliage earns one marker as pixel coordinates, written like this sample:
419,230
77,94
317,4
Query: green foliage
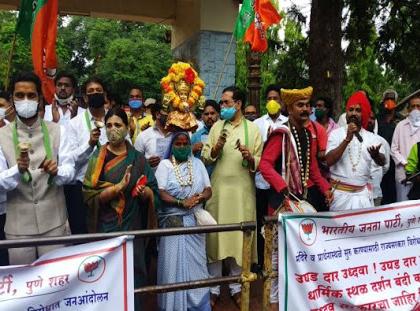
367,74
122,53
22,57
285,62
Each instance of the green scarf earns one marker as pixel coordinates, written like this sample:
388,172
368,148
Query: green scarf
26,176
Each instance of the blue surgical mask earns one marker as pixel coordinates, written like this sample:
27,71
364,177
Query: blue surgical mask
227,113
135,103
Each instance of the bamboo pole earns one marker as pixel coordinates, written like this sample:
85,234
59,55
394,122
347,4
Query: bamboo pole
247,275
9,63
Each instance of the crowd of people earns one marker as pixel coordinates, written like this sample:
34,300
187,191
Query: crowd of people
90,164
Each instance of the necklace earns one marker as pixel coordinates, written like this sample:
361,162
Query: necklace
359,156
183,182
304,170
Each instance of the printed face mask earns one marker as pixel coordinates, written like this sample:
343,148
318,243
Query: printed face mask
116,135
26,108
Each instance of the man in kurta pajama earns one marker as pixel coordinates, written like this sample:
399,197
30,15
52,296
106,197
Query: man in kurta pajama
33,175
291,142
351,154
234,146
406,134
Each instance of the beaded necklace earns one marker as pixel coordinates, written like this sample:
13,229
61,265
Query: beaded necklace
304,170
189,179
359,156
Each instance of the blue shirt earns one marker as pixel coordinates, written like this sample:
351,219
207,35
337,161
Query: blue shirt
201,136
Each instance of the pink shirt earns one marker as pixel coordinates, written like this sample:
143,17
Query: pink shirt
331,126
405,136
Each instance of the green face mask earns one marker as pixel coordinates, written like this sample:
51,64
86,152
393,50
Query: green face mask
320,113
181,153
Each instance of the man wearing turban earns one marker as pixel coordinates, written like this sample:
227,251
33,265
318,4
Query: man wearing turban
351,154
289,162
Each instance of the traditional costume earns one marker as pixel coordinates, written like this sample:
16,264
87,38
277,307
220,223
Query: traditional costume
350,175
289,162
182,258
124,213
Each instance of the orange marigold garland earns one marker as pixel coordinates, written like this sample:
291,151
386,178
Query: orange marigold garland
182,71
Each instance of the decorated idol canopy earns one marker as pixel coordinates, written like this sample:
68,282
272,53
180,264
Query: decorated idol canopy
182,91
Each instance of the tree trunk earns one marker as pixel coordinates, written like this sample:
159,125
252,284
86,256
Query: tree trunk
326,61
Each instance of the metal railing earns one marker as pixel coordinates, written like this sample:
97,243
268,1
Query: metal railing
270,227
245,278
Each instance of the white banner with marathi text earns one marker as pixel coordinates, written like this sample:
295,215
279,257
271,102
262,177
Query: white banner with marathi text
352,260
92,276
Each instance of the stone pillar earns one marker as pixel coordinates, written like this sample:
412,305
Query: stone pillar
207,51
201,34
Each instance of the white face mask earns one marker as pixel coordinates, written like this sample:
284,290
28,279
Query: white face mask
63,101
2,113
26,108
414,118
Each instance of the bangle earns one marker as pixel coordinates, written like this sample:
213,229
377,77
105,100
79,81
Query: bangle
347,140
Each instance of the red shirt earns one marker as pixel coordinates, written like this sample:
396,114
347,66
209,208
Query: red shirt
319,135
272,153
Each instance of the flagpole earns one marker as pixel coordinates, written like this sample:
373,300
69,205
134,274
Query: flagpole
223,67
9,63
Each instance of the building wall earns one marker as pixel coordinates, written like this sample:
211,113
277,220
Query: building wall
207,50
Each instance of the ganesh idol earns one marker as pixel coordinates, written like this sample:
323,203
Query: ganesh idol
182,92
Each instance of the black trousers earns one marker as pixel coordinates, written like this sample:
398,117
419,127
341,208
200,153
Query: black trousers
76,209
4,255
262,210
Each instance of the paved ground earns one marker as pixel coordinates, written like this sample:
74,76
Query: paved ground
225,303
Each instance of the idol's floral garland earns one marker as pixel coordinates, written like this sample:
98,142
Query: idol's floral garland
182,71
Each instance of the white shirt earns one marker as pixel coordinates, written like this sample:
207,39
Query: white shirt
3,195
265,123
10,177
79,135
152,142
64,118
378,172
360,158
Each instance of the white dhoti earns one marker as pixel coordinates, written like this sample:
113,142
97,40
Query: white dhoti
345,200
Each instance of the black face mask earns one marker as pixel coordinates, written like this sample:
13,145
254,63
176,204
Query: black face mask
96,100
163,119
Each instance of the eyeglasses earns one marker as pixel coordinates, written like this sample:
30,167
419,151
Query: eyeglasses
226,102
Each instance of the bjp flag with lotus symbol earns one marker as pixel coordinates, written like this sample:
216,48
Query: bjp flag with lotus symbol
253,21
37,24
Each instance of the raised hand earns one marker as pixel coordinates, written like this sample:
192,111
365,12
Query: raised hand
122,185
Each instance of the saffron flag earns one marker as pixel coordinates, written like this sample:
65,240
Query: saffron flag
37,23
253,21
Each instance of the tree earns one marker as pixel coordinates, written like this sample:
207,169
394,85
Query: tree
326,63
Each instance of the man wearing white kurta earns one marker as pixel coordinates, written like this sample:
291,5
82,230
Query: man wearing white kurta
351,158
33,174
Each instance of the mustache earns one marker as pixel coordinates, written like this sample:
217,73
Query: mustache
304,114
355,120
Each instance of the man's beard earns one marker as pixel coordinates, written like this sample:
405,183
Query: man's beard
355,120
